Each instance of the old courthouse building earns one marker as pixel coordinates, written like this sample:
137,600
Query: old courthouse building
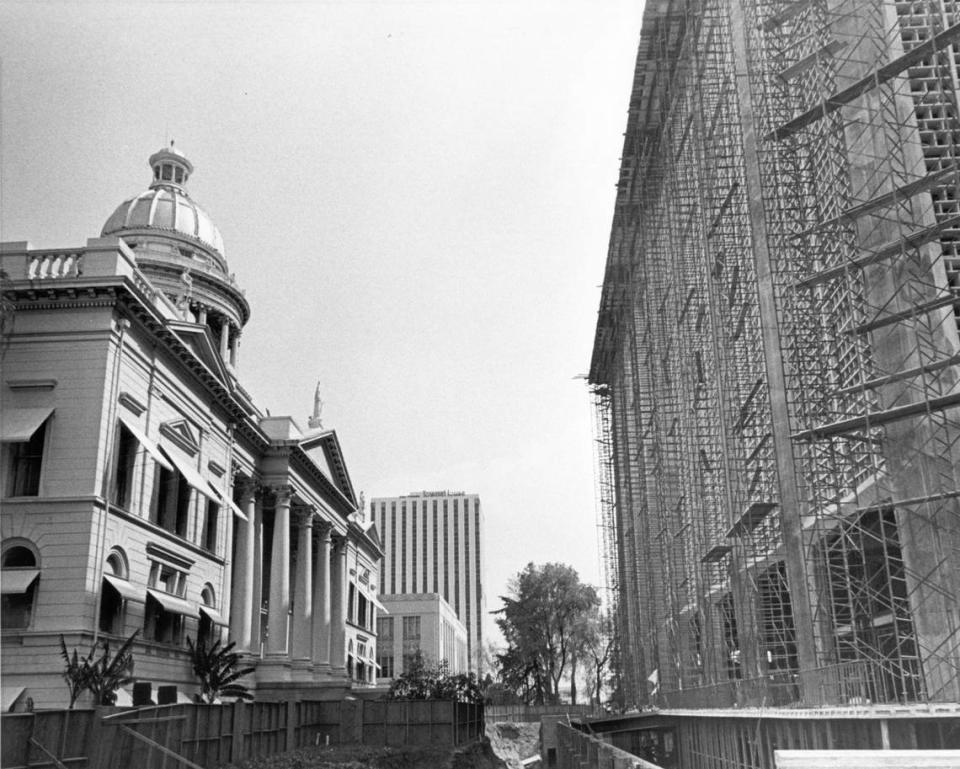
141,487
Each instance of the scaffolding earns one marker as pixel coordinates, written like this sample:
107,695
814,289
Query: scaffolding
775,372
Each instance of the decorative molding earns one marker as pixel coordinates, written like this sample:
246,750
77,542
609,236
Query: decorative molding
216,468
126,399
31,384
160,553
180,433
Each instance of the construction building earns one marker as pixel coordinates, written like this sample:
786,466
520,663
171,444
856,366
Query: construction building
433,543
775,369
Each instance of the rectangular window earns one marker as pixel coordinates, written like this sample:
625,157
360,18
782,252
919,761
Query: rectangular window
210,526
411,628
466,568
413,546
436,564
393,547
386,666
170,504
446,557
26,459
423,549
127,447
362,610
456,557
385,628
351,603
476,550
161,625
403,547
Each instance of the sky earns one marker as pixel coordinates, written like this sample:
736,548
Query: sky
416,196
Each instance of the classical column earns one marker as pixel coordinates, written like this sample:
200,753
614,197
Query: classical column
202,314
321,595
224,339
256,632
303,589
279,608
338,619
242,601
235,348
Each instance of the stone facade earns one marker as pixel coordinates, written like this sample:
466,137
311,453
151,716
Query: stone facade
142,490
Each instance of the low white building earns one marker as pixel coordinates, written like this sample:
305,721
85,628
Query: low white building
422,623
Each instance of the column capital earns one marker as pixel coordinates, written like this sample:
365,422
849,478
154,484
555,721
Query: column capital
248,487
340,543
303,516
282,493
323,529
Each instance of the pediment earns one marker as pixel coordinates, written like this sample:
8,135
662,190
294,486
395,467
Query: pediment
325,451
197,339
182,435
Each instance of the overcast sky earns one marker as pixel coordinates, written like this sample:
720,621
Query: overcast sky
416,196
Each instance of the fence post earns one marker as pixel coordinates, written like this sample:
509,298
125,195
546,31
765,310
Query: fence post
236,740
291,724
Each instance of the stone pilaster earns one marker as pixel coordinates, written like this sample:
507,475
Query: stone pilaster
279,607
303,590
244,605
322,598
338,606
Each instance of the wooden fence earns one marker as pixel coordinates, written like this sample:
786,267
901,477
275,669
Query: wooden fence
207,736
517,714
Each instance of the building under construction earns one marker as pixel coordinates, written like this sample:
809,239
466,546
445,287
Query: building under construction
776,371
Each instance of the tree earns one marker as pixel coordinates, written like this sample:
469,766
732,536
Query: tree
596,649
218,669
102,676
538,621
422,681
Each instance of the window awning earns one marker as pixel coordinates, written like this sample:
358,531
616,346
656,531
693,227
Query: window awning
152,448
10,695
19,425
215,617
126,590
375,601
17,581
174,604
190,474
237,511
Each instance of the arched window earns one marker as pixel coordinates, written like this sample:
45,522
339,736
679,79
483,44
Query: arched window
210,619
116,590
18,585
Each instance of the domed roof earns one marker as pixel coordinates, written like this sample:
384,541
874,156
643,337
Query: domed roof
166,205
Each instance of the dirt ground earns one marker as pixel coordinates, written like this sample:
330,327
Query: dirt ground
514,742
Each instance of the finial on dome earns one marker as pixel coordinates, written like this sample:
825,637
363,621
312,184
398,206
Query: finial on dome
314,422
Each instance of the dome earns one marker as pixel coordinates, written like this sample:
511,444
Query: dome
166,206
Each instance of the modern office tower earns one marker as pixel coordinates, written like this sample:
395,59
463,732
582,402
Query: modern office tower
775,369
433,543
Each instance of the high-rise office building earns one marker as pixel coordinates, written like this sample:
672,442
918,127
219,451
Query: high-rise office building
433,543
776,359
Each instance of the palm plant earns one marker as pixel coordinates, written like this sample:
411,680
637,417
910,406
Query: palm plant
218,669
101,676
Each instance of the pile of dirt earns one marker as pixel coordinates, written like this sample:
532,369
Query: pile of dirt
514,742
